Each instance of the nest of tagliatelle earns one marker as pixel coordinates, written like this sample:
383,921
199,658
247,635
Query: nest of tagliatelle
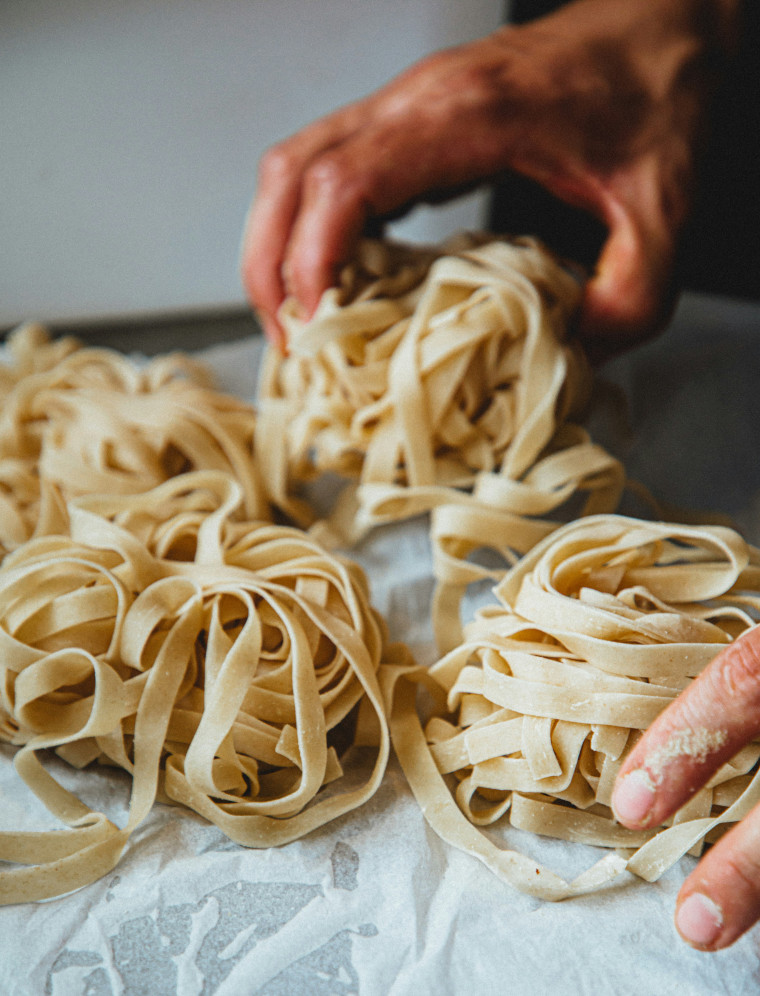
78,421
442,380
426,368
153,618
594,633
210,657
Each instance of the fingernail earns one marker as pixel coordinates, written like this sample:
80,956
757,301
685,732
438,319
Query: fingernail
699,920
633,797
274,334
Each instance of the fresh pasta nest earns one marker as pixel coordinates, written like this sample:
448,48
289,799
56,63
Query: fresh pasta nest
80,421
443,366
595,632
152,618
440,380
213,658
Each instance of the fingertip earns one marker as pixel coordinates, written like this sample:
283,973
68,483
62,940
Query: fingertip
699,920
720,900
630,296
633,798
274,333
617,313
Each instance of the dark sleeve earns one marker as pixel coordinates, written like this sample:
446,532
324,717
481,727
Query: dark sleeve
721,246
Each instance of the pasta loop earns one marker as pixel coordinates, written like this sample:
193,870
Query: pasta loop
596,630
81,421
218,661
440,380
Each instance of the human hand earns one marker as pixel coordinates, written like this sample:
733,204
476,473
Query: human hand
717,715
602,102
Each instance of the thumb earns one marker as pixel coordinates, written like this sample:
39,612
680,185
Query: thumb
630,296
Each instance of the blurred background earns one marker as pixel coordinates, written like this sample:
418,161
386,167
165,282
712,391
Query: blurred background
131,132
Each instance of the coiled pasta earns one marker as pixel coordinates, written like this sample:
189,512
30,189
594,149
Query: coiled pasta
596,630
80,421
213,658
440,380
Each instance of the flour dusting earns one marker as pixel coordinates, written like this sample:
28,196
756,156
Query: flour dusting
696,743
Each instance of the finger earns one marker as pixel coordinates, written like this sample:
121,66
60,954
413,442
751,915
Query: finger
269,224
265,238
704,727
333,211
375,174
720,900
629,297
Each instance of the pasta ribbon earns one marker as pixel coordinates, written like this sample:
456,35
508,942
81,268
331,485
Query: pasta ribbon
153,618
219,661
439,379
80,421
430,373
594,632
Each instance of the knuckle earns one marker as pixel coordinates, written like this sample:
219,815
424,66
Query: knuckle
277,163
329,172
469,89
478,84
333,175
462,79
742,869
424,73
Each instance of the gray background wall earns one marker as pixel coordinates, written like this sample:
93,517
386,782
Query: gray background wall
130,132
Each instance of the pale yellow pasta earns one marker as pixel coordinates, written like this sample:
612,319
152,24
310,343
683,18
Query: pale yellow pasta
462,366
595,631
443,385
80,421
215,659
510,516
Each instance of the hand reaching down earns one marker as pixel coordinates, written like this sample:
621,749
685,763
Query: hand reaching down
603,103
718,714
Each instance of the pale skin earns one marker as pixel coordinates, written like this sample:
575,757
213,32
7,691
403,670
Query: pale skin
604,103
723,700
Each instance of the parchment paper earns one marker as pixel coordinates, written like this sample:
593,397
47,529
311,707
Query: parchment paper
375,903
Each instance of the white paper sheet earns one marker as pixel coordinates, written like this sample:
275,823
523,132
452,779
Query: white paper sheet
375,903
